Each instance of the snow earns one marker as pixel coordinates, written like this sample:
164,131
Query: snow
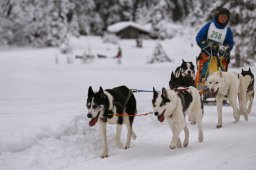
122,25
43,114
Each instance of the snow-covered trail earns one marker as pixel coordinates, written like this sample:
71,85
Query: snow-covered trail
43,115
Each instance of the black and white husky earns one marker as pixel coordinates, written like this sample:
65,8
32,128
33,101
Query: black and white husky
190,98
185,69
172,106
249,82
167,106
107,106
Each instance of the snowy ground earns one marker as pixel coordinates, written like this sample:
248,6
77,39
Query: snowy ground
43,119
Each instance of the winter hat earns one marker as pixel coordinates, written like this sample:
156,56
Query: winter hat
221,10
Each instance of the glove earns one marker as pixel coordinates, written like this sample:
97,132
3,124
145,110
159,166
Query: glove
203,45
215,46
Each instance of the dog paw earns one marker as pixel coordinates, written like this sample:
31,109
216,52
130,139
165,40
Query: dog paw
237,117
219,126
104,155
185,144
126,147
193,122
200,139
179,145
246,117
172,147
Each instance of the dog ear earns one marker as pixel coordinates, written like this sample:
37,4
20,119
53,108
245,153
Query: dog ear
164,93
172,76
183,61
249,70
101,92
90,92
155,94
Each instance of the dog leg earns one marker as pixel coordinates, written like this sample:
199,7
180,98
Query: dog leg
250,104
219,110
175,136
104,152
186,139
242,104
129,135
179,145
200,126
192,118
236,113
118,136
133,134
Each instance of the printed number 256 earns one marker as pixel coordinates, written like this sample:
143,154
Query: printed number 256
216,35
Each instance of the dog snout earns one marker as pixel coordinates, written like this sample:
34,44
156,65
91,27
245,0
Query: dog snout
189,72
156,113
212,90
89,115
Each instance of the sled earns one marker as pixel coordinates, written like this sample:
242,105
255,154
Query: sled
216,58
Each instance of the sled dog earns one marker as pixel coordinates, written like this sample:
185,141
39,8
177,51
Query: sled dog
105,106
228,85
191,101
185,69
167,105
249,82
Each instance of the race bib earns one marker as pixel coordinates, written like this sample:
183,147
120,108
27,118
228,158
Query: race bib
216,34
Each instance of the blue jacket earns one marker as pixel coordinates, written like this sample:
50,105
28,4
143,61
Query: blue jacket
202,34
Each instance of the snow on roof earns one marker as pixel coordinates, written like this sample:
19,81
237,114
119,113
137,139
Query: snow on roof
121,25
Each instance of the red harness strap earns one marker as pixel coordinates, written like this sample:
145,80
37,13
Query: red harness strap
125,114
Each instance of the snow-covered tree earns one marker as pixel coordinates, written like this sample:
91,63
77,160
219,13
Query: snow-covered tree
159,55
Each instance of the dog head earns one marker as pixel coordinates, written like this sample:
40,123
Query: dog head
164,103
216,82
249,79
187,69
95,105
247,73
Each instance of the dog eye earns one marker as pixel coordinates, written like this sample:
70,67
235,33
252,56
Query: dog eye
210,82
95,106
216,82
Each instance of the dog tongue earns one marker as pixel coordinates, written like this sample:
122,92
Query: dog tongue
161,117
93,121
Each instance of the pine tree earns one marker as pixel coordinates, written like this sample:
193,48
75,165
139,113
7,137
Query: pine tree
159,55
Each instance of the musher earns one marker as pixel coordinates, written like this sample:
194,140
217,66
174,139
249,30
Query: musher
211,36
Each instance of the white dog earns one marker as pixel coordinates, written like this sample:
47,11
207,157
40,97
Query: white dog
228,85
